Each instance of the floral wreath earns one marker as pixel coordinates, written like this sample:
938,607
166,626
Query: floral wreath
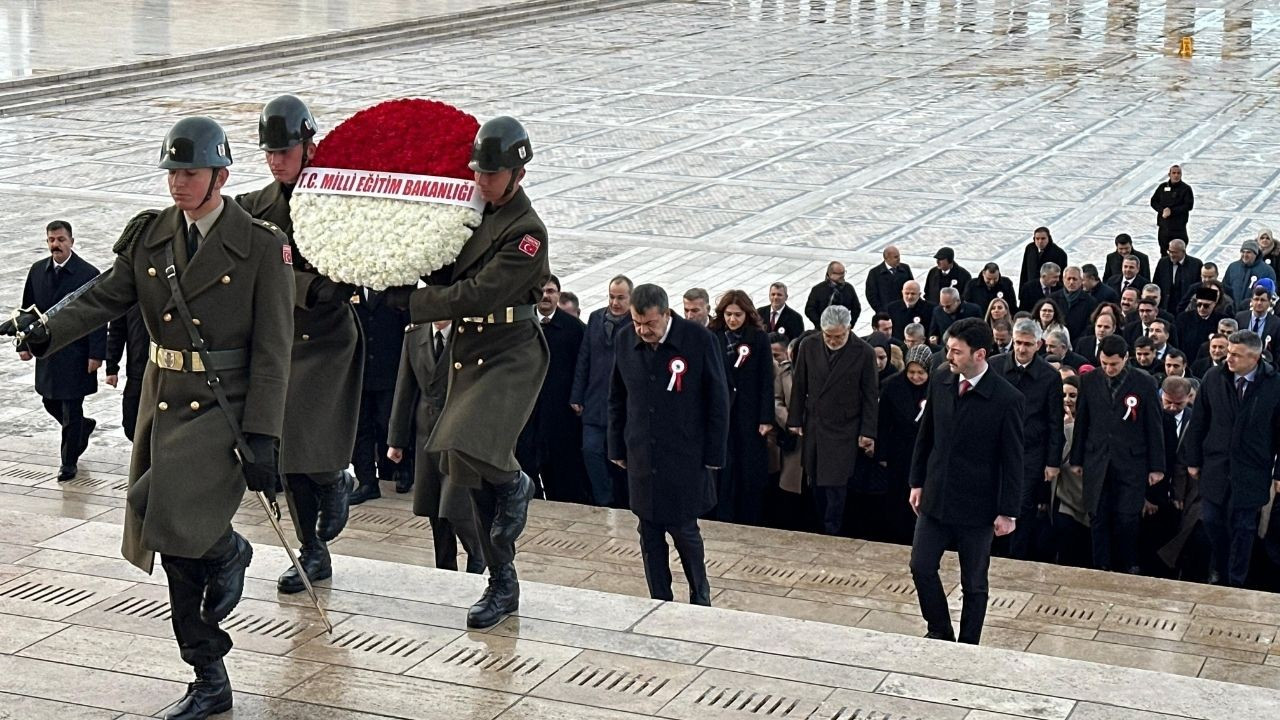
388,196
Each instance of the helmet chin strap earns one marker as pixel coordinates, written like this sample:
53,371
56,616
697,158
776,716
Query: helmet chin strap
213,180
511,184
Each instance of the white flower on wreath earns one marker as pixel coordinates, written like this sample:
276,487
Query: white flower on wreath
378,242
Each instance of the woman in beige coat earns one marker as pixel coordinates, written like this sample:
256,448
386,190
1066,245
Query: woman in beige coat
784,464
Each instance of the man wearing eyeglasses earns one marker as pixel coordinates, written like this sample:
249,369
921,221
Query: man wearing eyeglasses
1201,321
1259,318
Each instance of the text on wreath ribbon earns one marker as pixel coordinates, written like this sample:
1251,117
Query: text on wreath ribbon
393,186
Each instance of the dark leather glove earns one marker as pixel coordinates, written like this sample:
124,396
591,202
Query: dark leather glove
324,291
398,297
35,336
261,474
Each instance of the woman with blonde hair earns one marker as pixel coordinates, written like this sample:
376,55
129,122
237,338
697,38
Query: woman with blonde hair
997,309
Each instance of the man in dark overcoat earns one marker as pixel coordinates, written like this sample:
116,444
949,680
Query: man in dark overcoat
833,290
1118,445
966,487
383,329
550,448
326,360
421,387
66,377
499,355
834,407
1231,447
669,427
127,339
1041,388
1039,251
1173,202
189,470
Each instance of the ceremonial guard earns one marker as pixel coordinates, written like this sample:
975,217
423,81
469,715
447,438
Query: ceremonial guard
213,286
498,352
325,366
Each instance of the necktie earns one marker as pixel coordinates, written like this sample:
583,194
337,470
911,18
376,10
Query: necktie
193,240
1173,280
964,387
1124,285
1257,326
1241,384
546,319
773,321
438,349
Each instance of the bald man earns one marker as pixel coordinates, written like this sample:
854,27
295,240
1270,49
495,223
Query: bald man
885,281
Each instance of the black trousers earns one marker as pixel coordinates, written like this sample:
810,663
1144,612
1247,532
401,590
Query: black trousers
829,501
199,642
657,573
1114,529
370,453
70,415
1168,233
973,544
445,537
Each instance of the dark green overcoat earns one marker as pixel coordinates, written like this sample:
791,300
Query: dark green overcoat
184,480
326,366
496,370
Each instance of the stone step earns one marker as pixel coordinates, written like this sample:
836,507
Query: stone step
34,93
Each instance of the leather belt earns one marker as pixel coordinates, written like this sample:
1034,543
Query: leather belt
503,316
188,361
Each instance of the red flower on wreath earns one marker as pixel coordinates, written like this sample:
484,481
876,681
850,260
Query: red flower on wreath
413,136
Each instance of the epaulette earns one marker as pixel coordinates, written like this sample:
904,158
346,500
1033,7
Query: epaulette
136,228
275,229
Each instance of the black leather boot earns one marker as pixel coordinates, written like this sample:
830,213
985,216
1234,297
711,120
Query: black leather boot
334,500
404,481
368,490
315,561
209,695
225,583
500,599
511,509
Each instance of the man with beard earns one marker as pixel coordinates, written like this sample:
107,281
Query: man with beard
1173,202
327,354
910,309
988,286
832,291
550,446
945,274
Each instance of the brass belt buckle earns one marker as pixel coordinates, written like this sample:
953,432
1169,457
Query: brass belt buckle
169,359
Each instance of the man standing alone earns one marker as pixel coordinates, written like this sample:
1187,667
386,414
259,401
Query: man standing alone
669,428
964,485
1172,202
63,379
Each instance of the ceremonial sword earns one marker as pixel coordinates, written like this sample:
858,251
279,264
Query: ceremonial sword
273,512
20,335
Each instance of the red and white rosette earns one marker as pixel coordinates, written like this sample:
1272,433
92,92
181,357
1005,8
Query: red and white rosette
744,352
678,367
1130,408
388,197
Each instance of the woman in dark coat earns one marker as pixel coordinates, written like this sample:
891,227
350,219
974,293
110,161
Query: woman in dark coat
901,404
748,364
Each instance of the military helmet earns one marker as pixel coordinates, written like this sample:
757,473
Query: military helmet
193,143
501,144
285,122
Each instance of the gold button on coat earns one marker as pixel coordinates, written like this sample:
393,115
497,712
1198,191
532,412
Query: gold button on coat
457,366
480,361
195,405
168,317
151,272
226,279
195,321
163,406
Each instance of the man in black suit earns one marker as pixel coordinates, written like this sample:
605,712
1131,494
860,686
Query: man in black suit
550,446
1231,447
1129,277
1118,445
778,317
383,329
832,291
910,309
1124,249
1259,319
1041,389
1172,201
988,286
945,274
1049,282
1095,287
884,281
1175,273
128,334
1075,303
1039,251
1197,325
64,378
1215,356
949,310
964,484
669,428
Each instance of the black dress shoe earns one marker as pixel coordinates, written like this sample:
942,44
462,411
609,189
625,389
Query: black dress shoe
209,695
940,636
335,506
66,472
86,430
315,561
512,510
404,482
368,490
225,583
500,598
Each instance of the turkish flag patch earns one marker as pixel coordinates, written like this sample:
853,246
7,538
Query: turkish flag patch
286,251
529,245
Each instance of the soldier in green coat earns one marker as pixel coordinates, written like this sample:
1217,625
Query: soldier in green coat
327,361
185,481
498,354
